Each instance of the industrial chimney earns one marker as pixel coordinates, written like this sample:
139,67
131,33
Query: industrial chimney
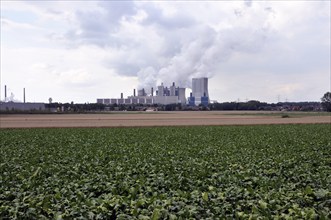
152,91
121,95
134,92
24,95
5,92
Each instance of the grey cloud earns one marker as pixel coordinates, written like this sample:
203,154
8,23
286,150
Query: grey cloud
54,11
93,22
248,3
115,10
189,47
157,17
237,12
201,56
154,42
96,27
94,37
122,67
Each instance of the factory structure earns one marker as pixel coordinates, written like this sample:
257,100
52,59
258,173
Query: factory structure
9,105
199,93
165,95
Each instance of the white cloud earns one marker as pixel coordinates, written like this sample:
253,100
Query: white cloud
75,77
248,48
8,25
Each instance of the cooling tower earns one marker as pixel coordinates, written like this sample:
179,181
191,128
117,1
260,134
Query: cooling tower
200,90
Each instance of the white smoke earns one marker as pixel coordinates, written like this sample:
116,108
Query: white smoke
169,42
202,53
147,78
11,98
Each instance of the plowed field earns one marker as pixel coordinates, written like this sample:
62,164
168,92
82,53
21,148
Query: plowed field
132,119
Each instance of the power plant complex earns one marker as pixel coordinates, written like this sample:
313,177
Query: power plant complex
166,95
163,95
8,104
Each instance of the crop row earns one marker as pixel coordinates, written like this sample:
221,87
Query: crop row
272,171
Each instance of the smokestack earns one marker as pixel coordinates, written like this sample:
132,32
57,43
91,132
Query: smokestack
24,95
134,92
5,92
122,95
173,84
152,91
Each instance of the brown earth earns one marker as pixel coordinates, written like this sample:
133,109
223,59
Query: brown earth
132,119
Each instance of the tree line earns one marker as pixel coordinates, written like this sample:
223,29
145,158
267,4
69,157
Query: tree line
324,105
225,106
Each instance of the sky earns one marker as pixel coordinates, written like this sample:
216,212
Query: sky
79,51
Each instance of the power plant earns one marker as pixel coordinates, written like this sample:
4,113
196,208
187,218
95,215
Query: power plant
166,95
199,93
163,95
9,103
10,99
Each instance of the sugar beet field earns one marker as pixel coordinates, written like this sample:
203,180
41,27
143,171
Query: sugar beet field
220,172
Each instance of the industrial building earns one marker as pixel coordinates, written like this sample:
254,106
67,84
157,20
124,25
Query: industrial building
21,106
9,105
199,93
165,95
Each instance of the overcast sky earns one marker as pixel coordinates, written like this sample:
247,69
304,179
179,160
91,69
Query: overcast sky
80,51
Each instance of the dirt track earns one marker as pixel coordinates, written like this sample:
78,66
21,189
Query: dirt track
127,119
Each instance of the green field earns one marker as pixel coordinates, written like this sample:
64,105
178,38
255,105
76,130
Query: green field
216,172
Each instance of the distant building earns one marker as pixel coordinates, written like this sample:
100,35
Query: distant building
199,93
141,92
164,96
21,106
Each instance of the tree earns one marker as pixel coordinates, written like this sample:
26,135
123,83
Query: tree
326,101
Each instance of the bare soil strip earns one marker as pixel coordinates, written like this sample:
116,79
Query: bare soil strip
126,119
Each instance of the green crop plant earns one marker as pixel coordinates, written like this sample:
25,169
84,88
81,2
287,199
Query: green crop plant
212,172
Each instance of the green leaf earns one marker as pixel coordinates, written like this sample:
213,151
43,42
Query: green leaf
156,214
205,196
58,216
263,204
172,217
321,193
35,173
308,190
